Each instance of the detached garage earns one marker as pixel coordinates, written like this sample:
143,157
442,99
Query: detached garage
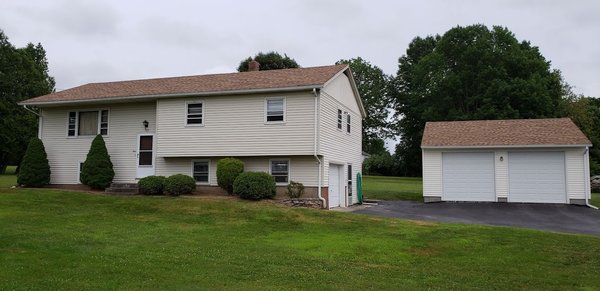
526,160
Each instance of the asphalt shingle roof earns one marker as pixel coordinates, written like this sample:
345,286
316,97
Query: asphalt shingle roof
231,82
515,132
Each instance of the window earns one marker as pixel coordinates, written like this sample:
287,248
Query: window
79,172
280,169
87,123
200,171
349,180
195,112
348,122
339,119
275,109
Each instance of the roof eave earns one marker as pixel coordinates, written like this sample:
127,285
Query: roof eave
508,146
160,96
361,107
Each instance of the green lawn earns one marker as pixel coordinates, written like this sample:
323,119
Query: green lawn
54,239
392,188
595,199
8,179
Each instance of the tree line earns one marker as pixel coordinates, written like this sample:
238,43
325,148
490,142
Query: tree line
468,73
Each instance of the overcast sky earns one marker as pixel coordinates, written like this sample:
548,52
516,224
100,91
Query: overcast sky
95,41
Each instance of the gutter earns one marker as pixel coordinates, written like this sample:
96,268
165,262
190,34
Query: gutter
159,96
324,203
505,146
39,120
586,171
25,106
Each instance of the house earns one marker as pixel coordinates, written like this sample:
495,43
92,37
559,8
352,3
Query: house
527,160
301,125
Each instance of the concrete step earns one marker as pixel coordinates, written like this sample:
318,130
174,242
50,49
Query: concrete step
122,189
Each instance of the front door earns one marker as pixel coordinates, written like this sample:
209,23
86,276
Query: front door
145,155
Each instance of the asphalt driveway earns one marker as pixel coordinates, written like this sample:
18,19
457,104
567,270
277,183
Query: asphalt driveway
550,217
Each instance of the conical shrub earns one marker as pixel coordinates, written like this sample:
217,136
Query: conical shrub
34,169
97,171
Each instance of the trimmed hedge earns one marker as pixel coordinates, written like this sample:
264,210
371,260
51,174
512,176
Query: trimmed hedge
97,169
34,170
228,169
179,184
151,185
254,185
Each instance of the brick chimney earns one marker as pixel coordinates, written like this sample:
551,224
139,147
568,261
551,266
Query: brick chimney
253,65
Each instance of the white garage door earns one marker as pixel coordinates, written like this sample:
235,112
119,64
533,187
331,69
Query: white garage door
468,177
334,186
537,177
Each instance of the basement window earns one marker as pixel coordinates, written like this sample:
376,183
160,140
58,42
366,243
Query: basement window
200,171
280,169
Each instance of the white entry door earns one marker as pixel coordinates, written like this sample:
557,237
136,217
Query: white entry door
334,186
145,155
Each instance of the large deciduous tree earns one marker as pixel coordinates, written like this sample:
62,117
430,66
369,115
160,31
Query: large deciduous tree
372,86
585,112
269,61
23,74
469,73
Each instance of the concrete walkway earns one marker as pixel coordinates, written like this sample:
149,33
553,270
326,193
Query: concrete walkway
550,217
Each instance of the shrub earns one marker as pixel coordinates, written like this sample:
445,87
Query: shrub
254,185
34,170
97,171
151,185
179,184
228,169
295,189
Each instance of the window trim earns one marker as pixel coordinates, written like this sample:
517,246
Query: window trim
185,116
350,182
265,111
289,172
98,129
348,122
208,173
79,168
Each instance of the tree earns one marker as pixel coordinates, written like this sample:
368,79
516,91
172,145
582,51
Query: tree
23,74
97,171
372,86
469,73
269,61
35,170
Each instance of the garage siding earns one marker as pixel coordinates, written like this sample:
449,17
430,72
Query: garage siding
501,174
575,174
432,173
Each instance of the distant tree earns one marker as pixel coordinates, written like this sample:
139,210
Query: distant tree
469,73
35,170
97,171
23,74
373,87
269,61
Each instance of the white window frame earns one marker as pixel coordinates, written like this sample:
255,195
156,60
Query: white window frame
289,173
348,122
340,119
208,173
350,182
267,99
79,168
76,135
185,120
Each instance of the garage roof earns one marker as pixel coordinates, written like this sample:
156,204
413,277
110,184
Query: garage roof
505,133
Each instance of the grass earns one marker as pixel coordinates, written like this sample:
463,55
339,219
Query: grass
8,179
393,188
54,239
595,199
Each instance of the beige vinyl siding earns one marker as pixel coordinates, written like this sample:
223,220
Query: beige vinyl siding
302,169
432,173
235,126
501,174
337,146
574,160
65,153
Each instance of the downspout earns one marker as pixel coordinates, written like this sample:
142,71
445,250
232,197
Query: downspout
39,120
324,203
586,172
